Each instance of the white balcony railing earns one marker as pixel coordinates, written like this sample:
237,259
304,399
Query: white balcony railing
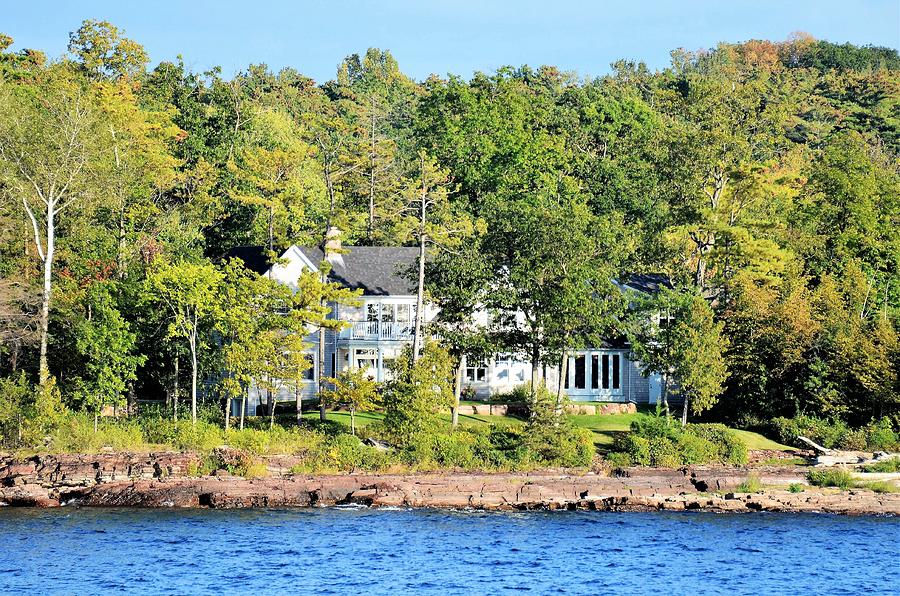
379,330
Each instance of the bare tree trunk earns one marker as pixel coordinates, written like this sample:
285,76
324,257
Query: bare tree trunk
96,415
323,415
194,379
44,371
665,393
352,422
371,225
175,397
243,409
299,399
420,291
457,390
684,410
563,372
535,374
272,410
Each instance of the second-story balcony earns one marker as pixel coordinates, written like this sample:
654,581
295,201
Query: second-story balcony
378,330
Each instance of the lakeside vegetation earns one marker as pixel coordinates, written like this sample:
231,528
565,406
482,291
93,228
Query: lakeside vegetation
761,178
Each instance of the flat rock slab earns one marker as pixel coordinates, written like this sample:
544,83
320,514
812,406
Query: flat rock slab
161,480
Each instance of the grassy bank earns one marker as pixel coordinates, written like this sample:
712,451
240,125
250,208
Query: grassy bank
603,428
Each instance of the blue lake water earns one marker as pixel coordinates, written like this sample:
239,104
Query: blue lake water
359,551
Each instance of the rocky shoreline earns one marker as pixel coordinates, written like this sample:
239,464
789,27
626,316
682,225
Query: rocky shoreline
163,480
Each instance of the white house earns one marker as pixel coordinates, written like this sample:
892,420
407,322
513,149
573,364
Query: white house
382,325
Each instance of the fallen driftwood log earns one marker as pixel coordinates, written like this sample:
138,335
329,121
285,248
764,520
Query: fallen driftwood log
814,445
836,457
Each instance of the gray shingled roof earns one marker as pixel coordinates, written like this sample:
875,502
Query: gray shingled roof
376,270
649,283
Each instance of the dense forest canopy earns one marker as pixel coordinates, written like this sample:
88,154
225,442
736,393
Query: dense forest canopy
762,176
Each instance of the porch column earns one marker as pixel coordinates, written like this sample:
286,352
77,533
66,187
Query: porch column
379,374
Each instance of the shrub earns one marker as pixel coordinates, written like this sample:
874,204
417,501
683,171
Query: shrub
664,453
729,448
796,488
695,449
453,450
636,447
838,478
885,466
183,436
76,435
881,436
657,441
826,433
619,459
751,485
15,397
854,440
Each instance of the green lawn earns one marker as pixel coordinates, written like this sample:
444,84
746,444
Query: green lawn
606,427
603,427
757,441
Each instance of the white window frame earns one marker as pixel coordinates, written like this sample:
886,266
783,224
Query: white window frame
471,373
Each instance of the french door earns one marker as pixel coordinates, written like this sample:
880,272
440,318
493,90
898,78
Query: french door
595,373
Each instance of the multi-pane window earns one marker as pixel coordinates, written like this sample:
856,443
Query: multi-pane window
477,372
366,358
599,371
372,311
579,372
615,371
390,312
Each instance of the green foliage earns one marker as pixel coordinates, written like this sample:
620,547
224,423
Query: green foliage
417,392
16,395
104,53
831,477
796,488
750,485
550,434
660,442
835,434
77,435
885,466
689,350
106,344
729,448
761,177
353,389
879,486
619,459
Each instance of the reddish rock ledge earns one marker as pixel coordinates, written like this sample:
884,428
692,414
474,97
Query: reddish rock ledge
162,480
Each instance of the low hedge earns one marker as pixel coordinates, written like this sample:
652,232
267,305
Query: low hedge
662,442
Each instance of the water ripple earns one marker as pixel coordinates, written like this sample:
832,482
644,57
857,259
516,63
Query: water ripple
402,551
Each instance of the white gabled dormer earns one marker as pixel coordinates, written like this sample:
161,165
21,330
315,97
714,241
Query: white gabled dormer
288,272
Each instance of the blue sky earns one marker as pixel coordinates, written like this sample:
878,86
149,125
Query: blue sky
438,36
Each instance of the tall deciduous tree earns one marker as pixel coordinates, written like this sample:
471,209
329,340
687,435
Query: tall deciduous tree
553,265
190,294
431,221
676,336
106,343
49,133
